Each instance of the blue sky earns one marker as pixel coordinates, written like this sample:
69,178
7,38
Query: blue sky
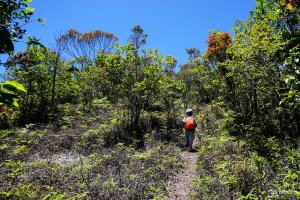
172,25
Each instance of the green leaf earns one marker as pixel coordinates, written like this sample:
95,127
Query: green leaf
30,9
15,103
34,43
14,86
296,193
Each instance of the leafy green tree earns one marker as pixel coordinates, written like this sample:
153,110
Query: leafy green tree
171,89
111,71
201,83
121,83
289,106
284,16
35,69
14,14
200,79
170,64
256,70
188,77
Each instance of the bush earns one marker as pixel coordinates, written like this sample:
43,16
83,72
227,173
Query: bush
117,173
232,168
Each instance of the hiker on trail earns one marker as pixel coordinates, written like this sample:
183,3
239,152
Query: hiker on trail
189,125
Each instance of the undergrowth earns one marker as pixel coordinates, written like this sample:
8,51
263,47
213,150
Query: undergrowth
115,173
230,168
88,154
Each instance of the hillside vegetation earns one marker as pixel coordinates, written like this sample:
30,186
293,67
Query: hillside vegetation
90,118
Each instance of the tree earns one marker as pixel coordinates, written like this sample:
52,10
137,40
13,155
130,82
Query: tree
289,105
36,70
135,93
193,53
217,45
84,47
284,16
137,38
14,14
171,89
188,77
201,82
256,65
170,64
216,53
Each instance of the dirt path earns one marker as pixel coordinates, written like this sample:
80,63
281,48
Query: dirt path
180,187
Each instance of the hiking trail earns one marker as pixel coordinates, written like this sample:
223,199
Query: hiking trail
180,186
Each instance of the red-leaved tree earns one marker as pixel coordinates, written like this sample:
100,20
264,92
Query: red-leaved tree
217,45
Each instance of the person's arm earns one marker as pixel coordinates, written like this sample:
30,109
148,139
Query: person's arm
183,123
196,121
